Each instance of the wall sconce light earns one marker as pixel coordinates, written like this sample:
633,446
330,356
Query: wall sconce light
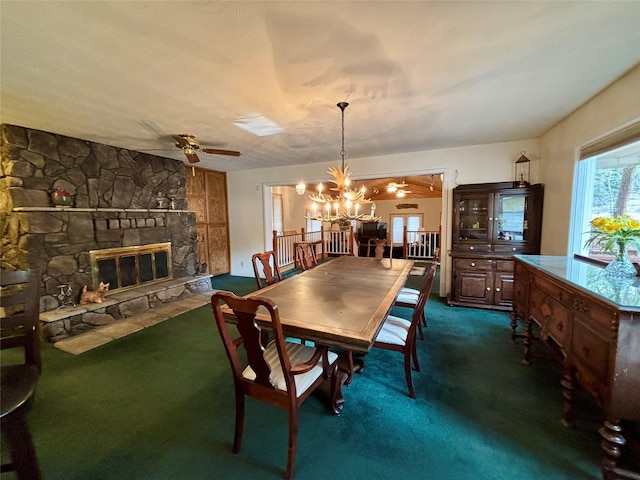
300,188
523,171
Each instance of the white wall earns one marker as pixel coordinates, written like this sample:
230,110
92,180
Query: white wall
430,208
475,164
292,208
615,107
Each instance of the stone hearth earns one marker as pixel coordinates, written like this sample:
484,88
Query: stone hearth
70,321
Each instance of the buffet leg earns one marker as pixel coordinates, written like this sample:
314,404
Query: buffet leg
612,441
568,390
527,341
514,326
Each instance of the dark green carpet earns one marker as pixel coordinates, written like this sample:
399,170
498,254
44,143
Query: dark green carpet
159,404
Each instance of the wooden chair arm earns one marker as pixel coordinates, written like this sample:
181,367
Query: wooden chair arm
312,362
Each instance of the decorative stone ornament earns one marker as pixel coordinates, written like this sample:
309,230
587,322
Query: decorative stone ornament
61,198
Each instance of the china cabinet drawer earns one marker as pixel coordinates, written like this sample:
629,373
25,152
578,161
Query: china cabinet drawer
504,265
475,248
553,317
513,249
472,264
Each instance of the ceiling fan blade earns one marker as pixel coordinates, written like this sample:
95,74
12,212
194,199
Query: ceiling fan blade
214,151
181,141
192,157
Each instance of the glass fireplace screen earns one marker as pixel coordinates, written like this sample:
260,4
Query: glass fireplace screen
130,266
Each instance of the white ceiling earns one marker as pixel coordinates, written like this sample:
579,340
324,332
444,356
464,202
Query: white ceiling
417,75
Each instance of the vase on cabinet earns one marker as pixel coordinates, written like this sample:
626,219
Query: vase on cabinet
61,198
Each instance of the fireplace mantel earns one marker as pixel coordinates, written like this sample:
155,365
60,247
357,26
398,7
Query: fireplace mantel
75,209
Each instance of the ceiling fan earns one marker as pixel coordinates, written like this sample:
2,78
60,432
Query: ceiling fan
190,145
395,186
402,192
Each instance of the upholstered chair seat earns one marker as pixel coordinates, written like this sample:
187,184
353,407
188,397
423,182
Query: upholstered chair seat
297,354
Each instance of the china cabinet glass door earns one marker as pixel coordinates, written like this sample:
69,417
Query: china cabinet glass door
474,222
512,224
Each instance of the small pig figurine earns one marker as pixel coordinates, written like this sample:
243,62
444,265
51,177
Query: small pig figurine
96,296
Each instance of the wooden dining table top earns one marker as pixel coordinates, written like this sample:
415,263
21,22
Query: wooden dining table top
341,303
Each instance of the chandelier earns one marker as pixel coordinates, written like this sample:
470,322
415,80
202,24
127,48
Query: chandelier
345,204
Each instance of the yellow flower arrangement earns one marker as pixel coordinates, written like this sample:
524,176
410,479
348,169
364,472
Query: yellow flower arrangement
615,234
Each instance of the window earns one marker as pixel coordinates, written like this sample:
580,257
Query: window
607,183
398,221
312,225
276,212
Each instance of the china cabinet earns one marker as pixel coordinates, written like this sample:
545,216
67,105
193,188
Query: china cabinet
491,223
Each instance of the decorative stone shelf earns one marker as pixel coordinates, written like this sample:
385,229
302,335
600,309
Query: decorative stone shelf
75,209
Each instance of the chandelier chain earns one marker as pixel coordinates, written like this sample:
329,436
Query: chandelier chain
342,106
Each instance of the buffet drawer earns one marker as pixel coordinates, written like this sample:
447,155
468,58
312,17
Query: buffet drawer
599,315
591,350
555,290
553,317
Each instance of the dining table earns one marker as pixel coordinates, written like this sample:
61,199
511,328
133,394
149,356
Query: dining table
342,303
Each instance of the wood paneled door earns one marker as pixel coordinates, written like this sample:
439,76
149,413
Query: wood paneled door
207,197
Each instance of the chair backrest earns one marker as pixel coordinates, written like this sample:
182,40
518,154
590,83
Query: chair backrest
306,255
436,255
254,340
378,245
19,314
271,274
423,296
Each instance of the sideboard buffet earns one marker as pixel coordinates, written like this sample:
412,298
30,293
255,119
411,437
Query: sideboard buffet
595,324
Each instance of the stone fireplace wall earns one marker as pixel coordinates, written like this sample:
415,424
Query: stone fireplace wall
114,191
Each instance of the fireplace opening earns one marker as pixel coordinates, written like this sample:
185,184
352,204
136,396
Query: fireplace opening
126,267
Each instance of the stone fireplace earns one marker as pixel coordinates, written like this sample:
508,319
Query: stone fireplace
115,195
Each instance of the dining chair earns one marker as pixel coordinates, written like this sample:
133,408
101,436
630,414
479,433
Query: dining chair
19,329
378,245
277,372
306,255
408,297
271,273
399,334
